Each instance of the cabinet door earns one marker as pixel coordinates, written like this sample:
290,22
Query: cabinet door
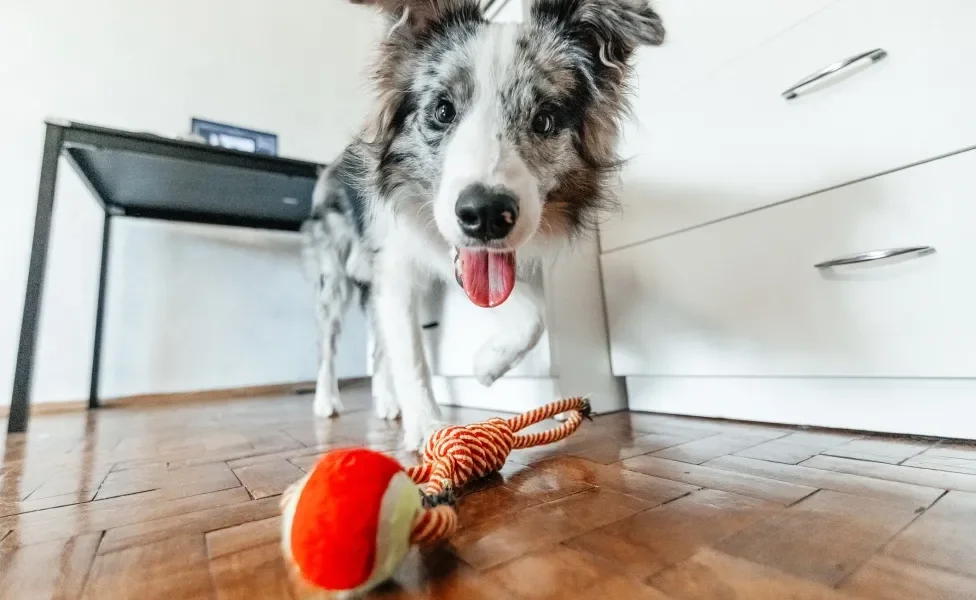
732,143
742,297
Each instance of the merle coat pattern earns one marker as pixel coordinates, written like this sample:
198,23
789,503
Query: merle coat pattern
523,114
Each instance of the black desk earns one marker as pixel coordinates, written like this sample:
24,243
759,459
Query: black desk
151,177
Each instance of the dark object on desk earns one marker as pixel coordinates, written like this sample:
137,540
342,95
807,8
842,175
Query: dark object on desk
237,138
146,176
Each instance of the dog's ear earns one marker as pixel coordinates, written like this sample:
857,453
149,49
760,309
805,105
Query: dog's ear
419,14
621,25
411,22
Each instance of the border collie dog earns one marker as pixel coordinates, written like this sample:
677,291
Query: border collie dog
491,146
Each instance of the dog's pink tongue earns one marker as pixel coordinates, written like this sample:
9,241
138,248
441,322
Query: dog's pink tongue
488,278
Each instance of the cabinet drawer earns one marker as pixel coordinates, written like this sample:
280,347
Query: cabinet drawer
732,143
742,296
703,35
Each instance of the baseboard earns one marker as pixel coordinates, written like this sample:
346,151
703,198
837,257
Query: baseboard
508,394
513,394
214,395
926,407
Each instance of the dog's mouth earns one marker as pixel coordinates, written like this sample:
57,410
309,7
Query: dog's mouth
487,276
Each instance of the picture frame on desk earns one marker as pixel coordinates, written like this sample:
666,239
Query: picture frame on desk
235,138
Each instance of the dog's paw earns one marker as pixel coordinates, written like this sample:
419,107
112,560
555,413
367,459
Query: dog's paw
386,407
327,405
385,402
496,358
414,439
415,435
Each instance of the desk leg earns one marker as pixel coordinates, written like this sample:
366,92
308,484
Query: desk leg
20,398
100,313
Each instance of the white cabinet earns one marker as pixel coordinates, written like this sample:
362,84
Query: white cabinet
734,193
729,142
742,297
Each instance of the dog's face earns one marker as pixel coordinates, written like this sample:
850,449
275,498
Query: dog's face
505,133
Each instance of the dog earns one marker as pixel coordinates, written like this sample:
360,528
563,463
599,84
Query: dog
490,147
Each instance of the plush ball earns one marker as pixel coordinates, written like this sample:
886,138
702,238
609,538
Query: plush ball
347,525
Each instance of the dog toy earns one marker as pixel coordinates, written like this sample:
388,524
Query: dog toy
348,524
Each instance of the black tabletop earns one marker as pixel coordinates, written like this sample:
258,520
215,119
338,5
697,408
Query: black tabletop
145,175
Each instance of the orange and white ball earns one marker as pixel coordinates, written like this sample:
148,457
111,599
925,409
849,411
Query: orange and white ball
346,526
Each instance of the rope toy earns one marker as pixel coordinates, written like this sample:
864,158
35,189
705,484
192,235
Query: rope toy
348,524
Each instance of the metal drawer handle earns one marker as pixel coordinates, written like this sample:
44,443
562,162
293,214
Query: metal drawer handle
875,55
875,255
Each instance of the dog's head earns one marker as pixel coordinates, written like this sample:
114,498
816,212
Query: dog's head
503,134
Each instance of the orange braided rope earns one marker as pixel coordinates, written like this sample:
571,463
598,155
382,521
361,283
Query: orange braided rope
455,455
433,525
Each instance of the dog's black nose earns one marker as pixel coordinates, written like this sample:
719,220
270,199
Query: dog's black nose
486,214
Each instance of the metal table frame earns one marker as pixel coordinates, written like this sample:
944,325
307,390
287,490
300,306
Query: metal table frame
59,138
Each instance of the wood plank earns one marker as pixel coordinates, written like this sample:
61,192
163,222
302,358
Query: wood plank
544,486
613,450
54,570
173,483
496,541
879,450
619,588
252,574
28,506
889,491
780,451
68,521
302,453
269,478
747,485
887,578
653,540
551,573
611,477
936,462
944,537
199,522
437,574
712,575
245,536
963,450
81,481
796,447
305,463
705,449
174,568
490,502
823,538
924,477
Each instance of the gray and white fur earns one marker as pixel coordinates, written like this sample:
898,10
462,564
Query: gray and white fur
485,135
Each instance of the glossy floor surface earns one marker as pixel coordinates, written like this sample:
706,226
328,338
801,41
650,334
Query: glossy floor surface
180,502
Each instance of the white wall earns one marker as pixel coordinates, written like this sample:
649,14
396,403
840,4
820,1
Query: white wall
189,307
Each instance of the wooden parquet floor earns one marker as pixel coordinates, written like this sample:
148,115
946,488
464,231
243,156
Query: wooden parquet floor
180,502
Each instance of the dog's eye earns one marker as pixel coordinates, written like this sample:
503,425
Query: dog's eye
543,123
444,112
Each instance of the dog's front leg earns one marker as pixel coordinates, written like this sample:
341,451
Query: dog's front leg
403,347
520,326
